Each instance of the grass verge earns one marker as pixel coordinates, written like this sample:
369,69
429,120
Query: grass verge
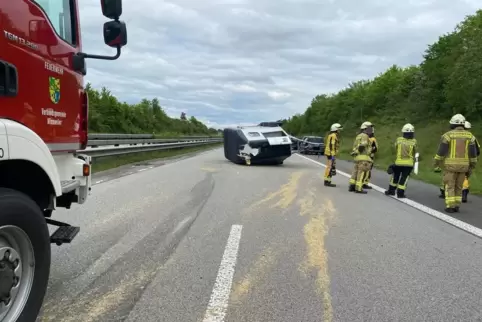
428,138
106,163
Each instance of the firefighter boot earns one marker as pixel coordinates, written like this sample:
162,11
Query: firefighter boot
450,210
366,186
351,188
329,184
442,194
363,192
390,191
401,193
465,194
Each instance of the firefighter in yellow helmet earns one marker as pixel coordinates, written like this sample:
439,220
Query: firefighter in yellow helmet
374,150
363,162
466,184
331,151
406,147
457,154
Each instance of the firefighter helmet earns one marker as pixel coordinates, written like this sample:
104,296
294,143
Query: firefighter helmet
457,119
408,128
366,125
336,127
468,125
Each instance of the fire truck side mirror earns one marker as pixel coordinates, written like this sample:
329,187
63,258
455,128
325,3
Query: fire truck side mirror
115,33
41,33
111,9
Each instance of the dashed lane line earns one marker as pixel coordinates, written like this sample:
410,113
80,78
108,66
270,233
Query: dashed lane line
218,303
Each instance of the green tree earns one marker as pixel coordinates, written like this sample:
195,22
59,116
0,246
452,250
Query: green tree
446,82
108,115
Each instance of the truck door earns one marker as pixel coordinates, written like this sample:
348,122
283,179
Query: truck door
41,39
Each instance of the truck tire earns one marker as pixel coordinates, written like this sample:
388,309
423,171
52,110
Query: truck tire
24,244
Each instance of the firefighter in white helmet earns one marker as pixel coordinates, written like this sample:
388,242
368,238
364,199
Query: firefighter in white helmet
332,147
363,162
406,147
457,154
466,185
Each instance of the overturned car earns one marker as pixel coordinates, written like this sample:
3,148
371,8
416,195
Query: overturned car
266,143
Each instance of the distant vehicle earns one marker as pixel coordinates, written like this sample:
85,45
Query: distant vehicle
312,145
266,143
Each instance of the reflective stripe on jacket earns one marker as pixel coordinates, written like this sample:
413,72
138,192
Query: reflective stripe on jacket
361,148
332,144
457,148
406,149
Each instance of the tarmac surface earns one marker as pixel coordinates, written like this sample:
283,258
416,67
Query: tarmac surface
203,239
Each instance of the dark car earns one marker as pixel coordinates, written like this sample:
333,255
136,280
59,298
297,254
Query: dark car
312,145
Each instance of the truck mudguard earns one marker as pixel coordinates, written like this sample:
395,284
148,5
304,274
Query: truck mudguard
25,144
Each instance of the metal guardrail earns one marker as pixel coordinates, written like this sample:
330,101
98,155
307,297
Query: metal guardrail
103,145
114,136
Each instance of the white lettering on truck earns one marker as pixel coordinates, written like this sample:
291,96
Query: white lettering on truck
20,40
54,114
54,68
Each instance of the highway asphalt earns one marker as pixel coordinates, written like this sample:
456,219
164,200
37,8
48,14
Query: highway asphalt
421,192
202,239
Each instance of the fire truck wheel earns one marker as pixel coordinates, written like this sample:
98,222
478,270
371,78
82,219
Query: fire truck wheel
24,257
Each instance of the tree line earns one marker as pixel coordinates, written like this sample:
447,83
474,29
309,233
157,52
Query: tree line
108,115
448,81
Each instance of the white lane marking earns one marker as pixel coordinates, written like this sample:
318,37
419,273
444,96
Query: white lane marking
100,181
150,167
142,170
432,212
218,304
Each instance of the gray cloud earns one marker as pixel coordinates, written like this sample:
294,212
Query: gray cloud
245,61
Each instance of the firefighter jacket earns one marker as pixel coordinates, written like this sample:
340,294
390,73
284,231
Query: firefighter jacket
457,151
332,144
405,152
374,146
361,148
477,146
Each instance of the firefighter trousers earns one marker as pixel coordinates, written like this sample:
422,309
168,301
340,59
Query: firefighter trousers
359,174
369,176
465,189
399,180
453,183
330,163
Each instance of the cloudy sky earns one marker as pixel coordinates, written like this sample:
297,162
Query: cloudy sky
244,61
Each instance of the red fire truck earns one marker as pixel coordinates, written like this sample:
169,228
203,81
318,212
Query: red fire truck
43,125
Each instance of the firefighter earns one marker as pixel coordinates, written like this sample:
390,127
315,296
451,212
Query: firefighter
361,152
331,151
405,147
466,185
457,154
374,150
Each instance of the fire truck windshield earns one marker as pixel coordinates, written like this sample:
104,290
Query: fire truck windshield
59,12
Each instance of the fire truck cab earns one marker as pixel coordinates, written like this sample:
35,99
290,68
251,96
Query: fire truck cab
43,125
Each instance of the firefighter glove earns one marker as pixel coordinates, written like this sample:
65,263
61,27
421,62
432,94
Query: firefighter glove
390,169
